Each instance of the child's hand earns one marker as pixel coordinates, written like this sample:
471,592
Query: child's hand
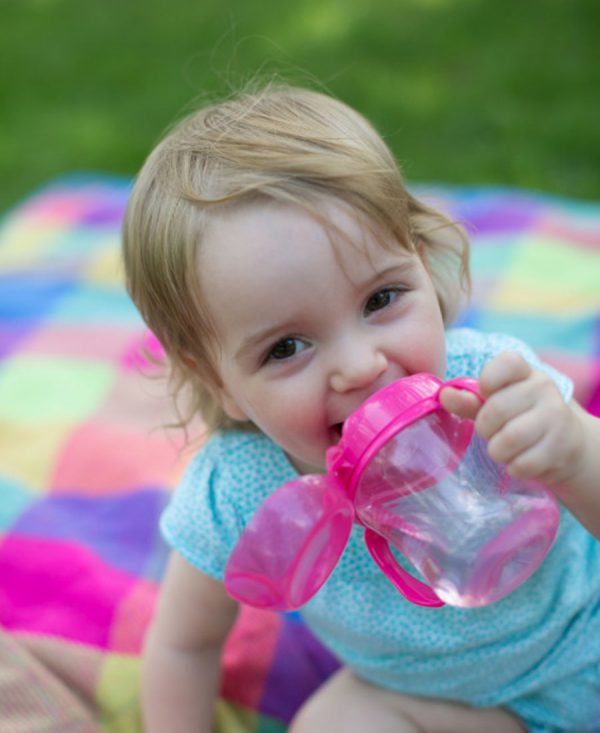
525,420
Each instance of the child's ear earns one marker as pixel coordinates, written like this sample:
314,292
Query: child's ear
189,361
421,249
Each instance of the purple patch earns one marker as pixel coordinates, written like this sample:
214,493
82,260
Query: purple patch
121,529
110,213
501,216
11,336
300,664
593,403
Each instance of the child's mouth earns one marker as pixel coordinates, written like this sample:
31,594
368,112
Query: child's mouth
336,431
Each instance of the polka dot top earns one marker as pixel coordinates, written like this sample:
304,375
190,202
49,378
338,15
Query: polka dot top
483,656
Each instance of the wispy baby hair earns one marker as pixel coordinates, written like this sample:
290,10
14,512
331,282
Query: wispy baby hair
280,143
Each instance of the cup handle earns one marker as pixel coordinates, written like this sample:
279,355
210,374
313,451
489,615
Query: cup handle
411,588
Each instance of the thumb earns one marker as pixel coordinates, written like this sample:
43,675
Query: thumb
460,402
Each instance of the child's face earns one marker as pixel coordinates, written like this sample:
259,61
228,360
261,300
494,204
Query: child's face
308,328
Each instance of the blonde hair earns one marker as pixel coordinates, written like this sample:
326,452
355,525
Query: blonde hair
279,143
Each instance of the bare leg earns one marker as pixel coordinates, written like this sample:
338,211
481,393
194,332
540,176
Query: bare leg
349,705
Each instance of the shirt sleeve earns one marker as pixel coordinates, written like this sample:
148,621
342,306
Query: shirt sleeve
221,489
468,351
199,522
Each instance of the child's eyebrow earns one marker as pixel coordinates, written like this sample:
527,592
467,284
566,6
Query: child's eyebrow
397,269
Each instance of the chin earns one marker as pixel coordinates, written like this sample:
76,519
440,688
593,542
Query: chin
305,466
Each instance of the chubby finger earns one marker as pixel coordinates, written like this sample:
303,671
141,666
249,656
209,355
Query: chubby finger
460,402
503,370
515,438
535,462
537,394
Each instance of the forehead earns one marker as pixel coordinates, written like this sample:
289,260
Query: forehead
268,237
273,265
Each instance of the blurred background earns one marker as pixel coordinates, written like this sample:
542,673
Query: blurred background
465,91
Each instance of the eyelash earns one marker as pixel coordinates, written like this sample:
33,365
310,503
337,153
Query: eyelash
270,356
396,291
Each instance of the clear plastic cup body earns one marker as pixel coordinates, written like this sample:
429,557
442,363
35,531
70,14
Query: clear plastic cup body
420,481
473,533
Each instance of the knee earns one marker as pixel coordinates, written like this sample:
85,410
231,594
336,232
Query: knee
317,716
309,719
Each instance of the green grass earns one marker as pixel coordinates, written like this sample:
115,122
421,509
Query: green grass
466,91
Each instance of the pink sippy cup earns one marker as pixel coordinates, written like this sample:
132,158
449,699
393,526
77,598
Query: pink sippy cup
420,482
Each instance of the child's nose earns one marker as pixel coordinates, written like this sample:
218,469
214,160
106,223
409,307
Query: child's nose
358,370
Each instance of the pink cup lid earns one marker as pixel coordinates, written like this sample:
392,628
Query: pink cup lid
291,545
385,414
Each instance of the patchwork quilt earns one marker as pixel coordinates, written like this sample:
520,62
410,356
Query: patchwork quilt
87,460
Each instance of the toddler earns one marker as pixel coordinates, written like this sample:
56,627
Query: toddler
272,247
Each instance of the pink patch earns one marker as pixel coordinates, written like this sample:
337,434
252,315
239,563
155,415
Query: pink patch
248,654
59,589
132,618
106,458
107,343
573,232
592,404
136,358
60,206
577,368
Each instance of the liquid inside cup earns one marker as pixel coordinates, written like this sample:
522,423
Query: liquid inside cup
472,532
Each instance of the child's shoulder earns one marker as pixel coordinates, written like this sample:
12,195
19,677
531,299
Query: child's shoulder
231,458
223,485
468,351
227,446
471,349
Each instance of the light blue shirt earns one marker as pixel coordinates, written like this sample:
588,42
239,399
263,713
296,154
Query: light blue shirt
546,631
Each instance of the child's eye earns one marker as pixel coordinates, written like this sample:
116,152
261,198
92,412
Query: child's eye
381,299
285,349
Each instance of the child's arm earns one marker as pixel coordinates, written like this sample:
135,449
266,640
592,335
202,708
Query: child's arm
535,433
182,653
